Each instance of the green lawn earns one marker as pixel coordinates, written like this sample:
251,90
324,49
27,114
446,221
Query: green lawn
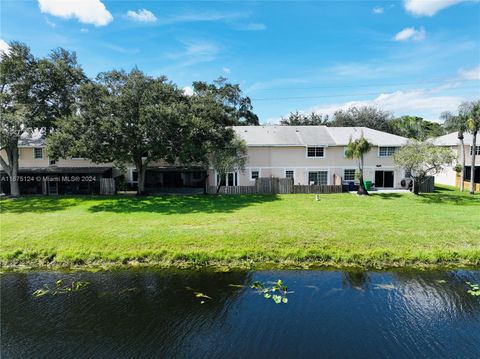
388,229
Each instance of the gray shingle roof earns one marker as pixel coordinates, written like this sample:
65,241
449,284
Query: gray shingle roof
313,135
451,139
36,139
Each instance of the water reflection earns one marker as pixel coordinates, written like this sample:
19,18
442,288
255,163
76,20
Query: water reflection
132,314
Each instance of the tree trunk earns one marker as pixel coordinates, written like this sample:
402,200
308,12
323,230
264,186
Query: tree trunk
472,172
12,169
361,188
141,170
462,172
416,187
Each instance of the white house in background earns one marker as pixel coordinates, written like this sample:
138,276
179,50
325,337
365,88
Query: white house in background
449,176
313,155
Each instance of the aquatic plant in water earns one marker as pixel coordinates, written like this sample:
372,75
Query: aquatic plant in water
278,292
60,288
474,289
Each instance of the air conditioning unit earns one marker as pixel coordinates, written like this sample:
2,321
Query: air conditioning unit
406,183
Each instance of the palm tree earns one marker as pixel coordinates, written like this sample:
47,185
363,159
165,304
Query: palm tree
458,123
473,110
357,149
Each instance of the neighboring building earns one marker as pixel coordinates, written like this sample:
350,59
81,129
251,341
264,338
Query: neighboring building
449,176
41,175
308,154
313,155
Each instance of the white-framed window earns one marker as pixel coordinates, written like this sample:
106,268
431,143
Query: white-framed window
134,176
314,151
254,174
349,174
317,177
477,150
386,151
289,174
38,153
408,174
229,180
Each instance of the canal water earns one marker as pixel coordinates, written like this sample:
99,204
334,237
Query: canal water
187,314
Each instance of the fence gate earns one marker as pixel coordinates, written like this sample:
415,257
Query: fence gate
107,186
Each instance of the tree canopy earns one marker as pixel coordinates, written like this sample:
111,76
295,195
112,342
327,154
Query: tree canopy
34,93
300,119
237,107
357,149
423,159
134,118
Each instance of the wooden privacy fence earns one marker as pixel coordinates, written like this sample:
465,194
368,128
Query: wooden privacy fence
107,186
275,186
428,185
322,188
232,190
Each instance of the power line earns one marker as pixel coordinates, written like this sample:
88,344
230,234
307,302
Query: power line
335,95
360,85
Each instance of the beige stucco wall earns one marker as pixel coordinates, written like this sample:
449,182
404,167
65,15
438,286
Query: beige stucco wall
274,161
26,159
448,175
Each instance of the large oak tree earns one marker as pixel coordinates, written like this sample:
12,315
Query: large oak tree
34,93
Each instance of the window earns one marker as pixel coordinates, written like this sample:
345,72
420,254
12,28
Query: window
318,177
231,179
477,151
38,153
349,175
134,176
197,175
408,174
289,174
254,174
52,162
315,152
386,151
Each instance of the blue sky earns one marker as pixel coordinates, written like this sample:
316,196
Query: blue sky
412,57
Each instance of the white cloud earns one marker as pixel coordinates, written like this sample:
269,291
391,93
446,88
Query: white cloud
187,90
4,47
83,29
50,22
142,15
200,17
86,11
411,102
195,52
377,10
470,74
121,49
227,70
428,7
254,26
410,33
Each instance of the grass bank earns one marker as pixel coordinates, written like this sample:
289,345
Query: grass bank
383,230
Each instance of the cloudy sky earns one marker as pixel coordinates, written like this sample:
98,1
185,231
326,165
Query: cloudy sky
417,57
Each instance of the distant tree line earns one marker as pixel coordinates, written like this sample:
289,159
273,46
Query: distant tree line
372,117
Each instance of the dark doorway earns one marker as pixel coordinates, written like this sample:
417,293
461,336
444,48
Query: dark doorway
172,179
384,179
